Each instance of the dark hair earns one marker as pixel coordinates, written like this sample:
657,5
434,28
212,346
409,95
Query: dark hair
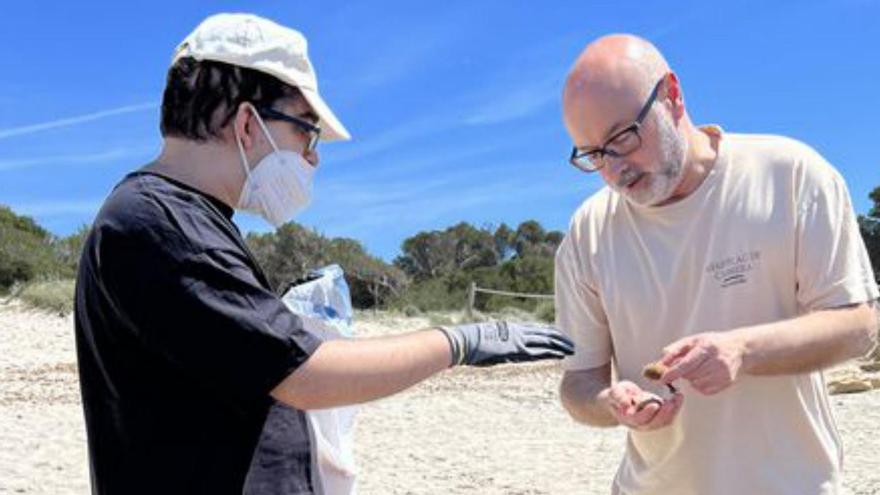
201,97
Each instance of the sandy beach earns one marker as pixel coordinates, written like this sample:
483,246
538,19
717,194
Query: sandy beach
498,431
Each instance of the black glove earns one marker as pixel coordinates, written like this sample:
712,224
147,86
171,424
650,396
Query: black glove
494,342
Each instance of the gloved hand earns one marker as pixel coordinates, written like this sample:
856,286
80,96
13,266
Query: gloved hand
494,342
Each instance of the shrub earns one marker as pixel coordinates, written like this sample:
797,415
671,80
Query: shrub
26,251
432,295
546,311
411,311
52,295
513,314
438,319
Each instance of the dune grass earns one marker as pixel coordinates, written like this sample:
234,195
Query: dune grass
49,295
57,296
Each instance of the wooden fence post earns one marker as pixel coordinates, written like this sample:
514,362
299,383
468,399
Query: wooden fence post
472,295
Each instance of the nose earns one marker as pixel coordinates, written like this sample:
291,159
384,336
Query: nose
619,172
616,165
312,157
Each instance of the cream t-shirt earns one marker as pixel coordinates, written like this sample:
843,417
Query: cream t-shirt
769,235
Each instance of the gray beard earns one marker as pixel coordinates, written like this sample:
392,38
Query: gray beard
666,180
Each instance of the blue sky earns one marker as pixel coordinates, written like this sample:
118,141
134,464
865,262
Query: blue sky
454,106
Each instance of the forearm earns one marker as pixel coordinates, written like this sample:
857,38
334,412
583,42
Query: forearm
343,372
583,393
810,342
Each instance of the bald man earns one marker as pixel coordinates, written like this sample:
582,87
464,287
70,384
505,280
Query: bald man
735,260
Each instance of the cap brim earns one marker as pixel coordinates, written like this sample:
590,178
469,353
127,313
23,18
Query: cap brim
331,128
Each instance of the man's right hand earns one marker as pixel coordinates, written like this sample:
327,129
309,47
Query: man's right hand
623,398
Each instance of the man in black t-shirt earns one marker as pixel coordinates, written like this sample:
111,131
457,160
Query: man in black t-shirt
194,374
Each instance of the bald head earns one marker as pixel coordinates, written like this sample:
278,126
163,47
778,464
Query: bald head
617,62
610,79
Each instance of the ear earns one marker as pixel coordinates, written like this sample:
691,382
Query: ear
243,125
674,95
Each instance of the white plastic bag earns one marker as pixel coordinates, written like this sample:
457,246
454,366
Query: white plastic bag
324,304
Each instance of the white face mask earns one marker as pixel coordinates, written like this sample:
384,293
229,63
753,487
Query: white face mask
279,186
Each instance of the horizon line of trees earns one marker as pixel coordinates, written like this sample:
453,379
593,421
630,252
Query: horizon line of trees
432,271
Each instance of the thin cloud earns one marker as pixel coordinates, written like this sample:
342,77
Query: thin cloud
529,83
358,193
411,162
59,207
110,155
396,61
418,204
76,120
503,104
394,137
513,105
406,211
383,56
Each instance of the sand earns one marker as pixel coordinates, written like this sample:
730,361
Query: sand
497,431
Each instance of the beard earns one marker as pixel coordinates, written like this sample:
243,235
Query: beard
657,186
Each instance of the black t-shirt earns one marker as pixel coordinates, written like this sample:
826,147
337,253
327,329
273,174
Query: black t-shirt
180,340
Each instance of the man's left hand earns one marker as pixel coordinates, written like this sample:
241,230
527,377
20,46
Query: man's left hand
710,361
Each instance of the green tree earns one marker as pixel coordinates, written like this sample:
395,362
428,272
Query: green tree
426,255
870,227
504,242
440,253
292,251
530,239
288,253
69,249
444,263
373,282
26,250
473,247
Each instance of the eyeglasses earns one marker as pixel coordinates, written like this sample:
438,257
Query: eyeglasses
621,143
309,129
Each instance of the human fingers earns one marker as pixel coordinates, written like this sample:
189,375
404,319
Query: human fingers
686,365
642,410
667,412
621,396
676,350
710,384
550,339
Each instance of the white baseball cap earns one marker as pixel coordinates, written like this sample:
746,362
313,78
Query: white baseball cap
256,43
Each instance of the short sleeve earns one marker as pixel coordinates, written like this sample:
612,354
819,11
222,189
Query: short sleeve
833,268
204,313
579,312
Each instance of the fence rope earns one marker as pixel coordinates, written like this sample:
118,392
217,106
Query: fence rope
473,289
513,294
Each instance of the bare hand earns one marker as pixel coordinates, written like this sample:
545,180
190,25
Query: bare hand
710,361
624,399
